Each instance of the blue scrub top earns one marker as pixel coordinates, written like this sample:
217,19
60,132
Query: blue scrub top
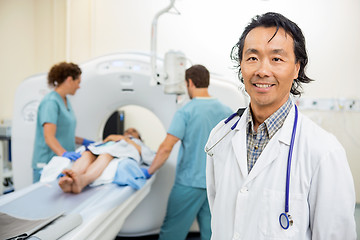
192,124
52,109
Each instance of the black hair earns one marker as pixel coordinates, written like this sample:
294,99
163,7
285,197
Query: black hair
277,20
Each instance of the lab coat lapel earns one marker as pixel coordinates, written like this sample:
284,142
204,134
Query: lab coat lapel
272,149
239,146
269,154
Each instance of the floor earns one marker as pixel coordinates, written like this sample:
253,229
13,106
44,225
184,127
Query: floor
191,236
196,236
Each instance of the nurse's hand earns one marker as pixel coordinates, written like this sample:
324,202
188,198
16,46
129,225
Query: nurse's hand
71,155
87,142
146,173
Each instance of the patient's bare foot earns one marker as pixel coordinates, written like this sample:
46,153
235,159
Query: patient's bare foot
66,182
78,182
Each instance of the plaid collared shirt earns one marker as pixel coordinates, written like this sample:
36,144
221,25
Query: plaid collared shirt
257,141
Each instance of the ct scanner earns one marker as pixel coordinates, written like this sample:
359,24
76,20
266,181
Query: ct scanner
108,83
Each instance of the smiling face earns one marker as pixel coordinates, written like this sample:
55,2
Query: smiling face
268,68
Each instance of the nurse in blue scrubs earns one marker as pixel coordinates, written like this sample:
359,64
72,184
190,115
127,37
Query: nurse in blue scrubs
56,123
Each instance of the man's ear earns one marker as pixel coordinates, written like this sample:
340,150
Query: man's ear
191,84
297,69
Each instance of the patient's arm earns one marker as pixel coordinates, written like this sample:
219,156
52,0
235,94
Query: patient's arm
128,140
116,137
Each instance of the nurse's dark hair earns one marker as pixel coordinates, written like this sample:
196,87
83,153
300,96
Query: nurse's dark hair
199,75
59,72
277,20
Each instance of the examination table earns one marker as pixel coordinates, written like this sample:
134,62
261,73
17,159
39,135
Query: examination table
100,212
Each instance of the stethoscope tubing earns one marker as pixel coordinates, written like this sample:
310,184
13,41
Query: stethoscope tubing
287,191
238,113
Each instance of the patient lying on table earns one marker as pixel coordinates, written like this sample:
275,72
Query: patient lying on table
96,158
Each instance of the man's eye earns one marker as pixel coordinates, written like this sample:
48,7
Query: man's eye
252,59
277,59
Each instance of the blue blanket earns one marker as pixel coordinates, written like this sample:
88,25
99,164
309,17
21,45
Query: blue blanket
128,173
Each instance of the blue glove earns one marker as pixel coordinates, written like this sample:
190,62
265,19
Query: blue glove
87,142
146,173
71,155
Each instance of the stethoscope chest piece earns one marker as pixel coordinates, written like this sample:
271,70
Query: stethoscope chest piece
207,150
285,220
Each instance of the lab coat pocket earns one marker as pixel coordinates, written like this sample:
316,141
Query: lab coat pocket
273,203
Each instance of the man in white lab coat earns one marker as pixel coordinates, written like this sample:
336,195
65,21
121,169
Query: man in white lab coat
247,170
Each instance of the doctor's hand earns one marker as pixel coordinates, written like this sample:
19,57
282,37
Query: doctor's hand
71,155
87,142
146,173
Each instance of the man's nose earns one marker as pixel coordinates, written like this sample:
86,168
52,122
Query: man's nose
264,69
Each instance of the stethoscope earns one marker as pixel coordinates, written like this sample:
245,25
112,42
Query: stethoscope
238,113
285,219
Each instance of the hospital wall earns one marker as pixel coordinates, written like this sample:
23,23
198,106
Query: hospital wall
35,34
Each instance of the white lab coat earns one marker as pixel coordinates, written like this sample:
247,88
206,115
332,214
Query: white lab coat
247,206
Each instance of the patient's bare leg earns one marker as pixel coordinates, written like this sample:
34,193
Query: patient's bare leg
81,165
93,172
66,182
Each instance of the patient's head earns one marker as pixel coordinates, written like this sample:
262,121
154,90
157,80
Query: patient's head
132,132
